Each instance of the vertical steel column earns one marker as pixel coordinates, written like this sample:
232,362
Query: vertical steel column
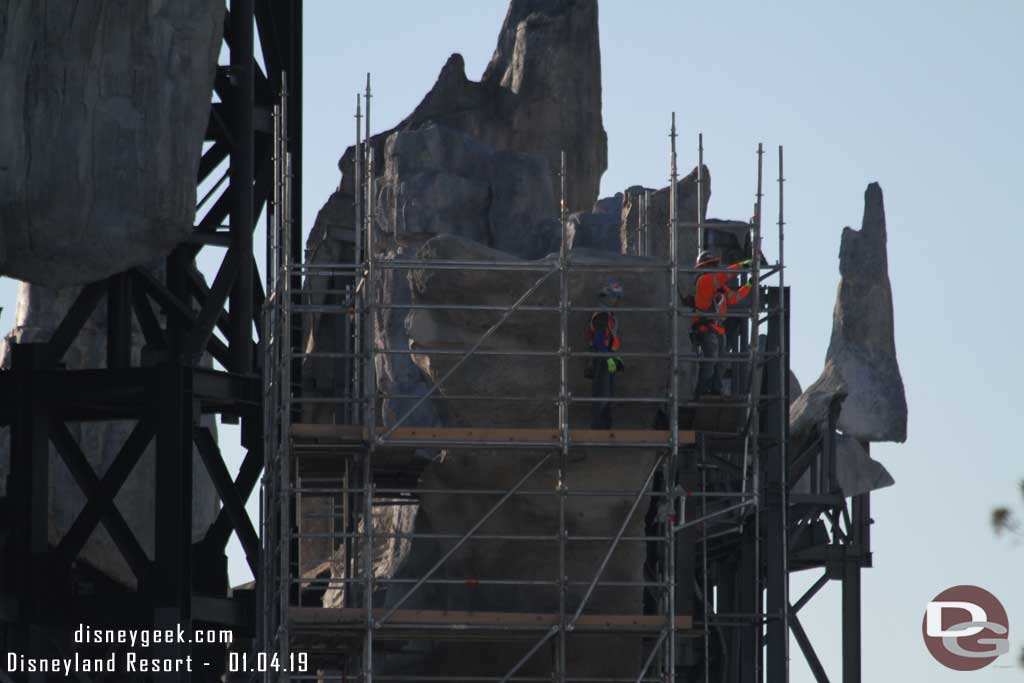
172,605
286,344
119,321
563,419
28,489
357,255
638,248
702,530
673,295
265,580
294,120
775,517
783,420
755,416
700,192
368,97
647,228
371,408
242,172
703,461
856,552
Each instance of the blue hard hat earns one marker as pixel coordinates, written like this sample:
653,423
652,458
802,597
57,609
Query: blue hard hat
611,288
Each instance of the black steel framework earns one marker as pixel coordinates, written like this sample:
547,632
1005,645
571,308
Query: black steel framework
165,392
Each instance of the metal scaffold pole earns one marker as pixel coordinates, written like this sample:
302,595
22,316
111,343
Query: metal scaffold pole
371,409
755,399
563,420
644,206
702,445
368,96
700,192
357,256
783,413
669,475
285,389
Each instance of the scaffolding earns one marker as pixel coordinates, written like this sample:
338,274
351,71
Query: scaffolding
710,506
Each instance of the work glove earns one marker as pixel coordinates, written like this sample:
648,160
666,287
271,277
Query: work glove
613,367
689,301
747,262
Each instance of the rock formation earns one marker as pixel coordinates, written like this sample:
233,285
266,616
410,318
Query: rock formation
504,379
40,310
861,375
437,179
657,218
861,358
597,229
540,93
104,110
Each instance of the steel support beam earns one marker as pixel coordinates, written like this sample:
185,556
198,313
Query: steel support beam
28,488
172,585
775,514
242,170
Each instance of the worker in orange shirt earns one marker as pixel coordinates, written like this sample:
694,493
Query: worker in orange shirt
707,329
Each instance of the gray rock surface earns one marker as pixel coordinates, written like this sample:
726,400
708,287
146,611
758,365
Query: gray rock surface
657,220
40,310
439,180
856,471
498,470
540,93
795,390
861,355
104,110
599,228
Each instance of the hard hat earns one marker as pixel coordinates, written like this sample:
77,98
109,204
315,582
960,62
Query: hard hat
611,288
706,258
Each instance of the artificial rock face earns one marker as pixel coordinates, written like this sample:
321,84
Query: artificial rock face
598,229
657,218
540,94
439,180
104,109
622,470
861,378
40,311
861,358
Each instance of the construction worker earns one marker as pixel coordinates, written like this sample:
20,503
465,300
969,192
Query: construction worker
603,336
707,331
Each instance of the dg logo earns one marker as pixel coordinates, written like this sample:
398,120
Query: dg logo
965,628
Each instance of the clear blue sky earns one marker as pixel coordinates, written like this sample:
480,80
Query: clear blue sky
925,98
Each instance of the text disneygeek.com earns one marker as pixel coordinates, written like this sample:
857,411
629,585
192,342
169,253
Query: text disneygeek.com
128,651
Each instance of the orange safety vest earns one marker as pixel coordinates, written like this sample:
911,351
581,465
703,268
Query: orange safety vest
611,333
713,295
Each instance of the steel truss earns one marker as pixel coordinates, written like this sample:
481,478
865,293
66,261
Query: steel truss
45,593
722,537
